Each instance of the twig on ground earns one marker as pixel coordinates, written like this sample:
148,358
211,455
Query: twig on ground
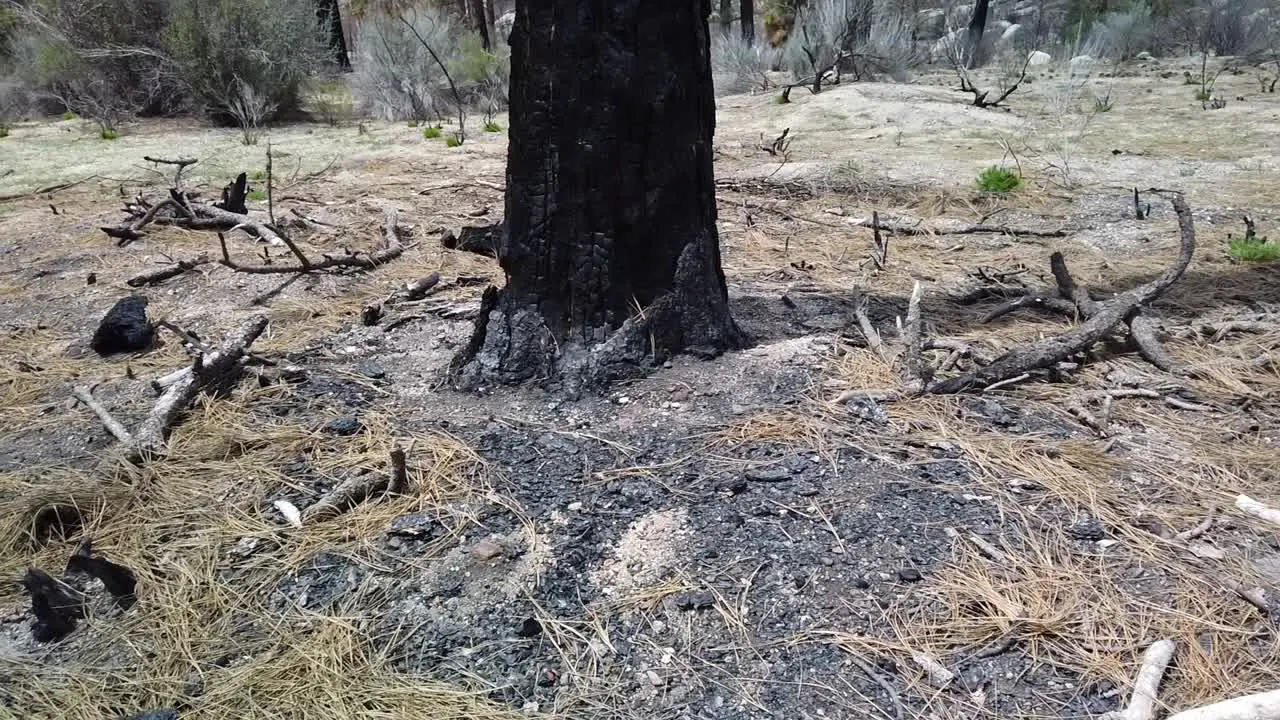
1249,506
392,250
1262,706
156,277
880,680
349,493
180,163
869,331
977,229
114,426
1142,703
1200,529
917,377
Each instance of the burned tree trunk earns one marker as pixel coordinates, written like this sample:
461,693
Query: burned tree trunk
611,254
476,10
977,27
332,16
725,16
747,11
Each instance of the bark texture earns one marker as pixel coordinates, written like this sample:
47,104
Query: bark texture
611,253
977,27
748,17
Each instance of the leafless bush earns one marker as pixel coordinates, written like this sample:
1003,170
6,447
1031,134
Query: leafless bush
418,64
250,109
825,32
738,67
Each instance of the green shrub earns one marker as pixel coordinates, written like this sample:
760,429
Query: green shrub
492,127
68,115
4,131
998,180
1252,248
413,123
256,195
431,132
246,61
453,141
109,134
258,174
1103,104
1203,95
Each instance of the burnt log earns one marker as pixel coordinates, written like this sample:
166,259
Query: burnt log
117,579
611,253
234,194
55,606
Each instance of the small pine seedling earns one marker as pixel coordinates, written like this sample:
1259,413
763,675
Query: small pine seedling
998,180
431,132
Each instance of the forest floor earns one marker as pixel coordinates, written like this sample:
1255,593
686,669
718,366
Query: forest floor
722,539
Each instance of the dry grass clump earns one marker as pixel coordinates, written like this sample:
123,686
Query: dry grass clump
209,550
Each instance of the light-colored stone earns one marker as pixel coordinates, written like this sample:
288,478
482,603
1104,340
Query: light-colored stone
1038,58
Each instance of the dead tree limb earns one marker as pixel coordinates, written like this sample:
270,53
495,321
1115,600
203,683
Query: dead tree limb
390,251
216,373
346,495
1262,706
155,277
977,229
113,426
1048,353
181,164
1142,704
912,338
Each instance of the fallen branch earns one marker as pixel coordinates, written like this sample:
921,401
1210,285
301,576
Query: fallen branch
348,493
399,484
216,373
977,229
192,216
113,426
1142,704
180,163
1262,706
914,361
391,250
156,277
1048,353
1249,506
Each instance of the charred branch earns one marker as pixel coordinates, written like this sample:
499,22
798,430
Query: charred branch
155,277
391,250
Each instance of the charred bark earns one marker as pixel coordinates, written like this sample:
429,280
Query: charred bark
332,17
747,13
725,17
611,254
481,19
977,27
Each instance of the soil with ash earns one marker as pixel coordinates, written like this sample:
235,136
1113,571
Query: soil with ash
643,562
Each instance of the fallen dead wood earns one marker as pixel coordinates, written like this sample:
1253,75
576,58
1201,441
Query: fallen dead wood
391,250
156,277
180,211
876,224
346,495
1262,706
215,372
1249,506
1142,703
1047,353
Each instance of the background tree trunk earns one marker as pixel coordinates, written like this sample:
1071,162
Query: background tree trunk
747,15
611,253
329,13
726,17
481,20
977,26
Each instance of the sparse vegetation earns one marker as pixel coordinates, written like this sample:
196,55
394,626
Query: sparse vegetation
257,195
431,132
492,127
999,180
1252,248
453,141
68,116
109,134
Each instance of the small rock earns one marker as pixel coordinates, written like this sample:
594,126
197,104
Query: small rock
734,485
92,279
124,328
860,583
1088,529
699,600
347,425
530,627
623,400
910,575
486,550
768,474
413,526
574,506
654,678
371,370
1038,58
